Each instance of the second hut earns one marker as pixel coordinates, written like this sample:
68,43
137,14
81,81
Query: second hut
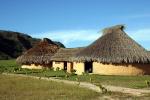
39,56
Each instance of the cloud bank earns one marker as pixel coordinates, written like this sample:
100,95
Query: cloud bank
78,38
140,35
69,36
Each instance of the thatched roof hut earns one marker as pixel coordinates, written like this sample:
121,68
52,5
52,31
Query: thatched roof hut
40,54
114,46
65,54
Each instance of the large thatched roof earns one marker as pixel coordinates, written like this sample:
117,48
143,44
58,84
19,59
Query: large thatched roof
114,46
65,54
40,54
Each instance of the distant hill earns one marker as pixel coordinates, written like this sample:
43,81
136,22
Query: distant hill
13,44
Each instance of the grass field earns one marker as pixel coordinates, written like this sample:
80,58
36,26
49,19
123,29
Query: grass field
8,65
125,81
21,88
18,88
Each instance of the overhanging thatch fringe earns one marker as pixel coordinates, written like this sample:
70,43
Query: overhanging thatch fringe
65,54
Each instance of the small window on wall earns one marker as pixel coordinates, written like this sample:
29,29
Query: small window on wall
57,62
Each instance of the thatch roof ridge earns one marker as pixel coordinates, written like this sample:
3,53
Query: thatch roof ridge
113,28
39,54
115,46
65,54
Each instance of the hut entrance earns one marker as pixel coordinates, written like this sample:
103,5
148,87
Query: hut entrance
65,65
71,66
88,67
50,64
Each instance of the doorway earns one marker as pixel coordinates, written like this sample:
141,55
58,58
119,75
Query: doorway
88,67
65,65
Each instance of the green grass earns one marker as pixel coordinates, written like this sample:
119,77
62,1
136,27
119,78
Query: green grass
19,88
8,65
124,81
16,88
41,72
23,88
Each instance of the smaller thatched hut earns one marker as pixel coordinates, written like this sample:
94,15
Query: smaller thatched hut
62,59
39,56
114,53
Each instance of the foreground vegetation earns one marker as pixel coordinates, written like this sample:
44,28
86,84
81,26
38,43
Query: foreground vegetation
25,88
124,81
32,89
9,66
19,88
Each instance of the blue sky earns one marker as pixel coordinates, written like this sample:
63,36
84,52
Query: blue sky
76,23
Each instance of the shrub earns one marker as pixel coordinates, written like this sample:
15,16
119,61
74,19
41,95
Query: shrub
63,70
73,71
91,80
85,73
1,70
16,69
57,69
103,89
147,83
77,79
67,75
51,68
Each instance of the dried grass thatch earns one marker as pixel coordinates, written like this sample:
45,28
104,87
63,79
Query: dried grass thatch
65,54
40,54
114,46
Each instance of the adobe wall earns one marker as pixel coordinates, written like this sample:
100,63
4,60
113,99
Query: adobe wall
56,64
79,67
69,67
32,66
121,69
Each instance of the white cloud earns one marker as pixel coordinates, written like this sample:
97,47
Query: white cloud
140,35
69,36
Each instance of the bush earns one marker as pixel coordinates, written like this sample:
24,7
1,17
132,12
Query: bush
52,68
67,75
78,80
73,71
16,69
91,81
85,73
57,69
147,83
103,89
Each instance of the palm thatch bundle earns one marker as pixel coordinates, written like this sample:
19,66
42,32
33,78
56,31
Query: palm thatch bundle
40,54
65,54
114,46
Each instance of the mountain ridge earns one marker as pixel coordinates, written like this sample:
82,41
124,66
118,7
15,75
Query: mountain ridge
13,44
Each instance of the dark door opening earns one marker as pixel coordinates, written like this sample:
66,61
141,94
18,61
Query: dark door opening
50,65
88,67
71,67
65,65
